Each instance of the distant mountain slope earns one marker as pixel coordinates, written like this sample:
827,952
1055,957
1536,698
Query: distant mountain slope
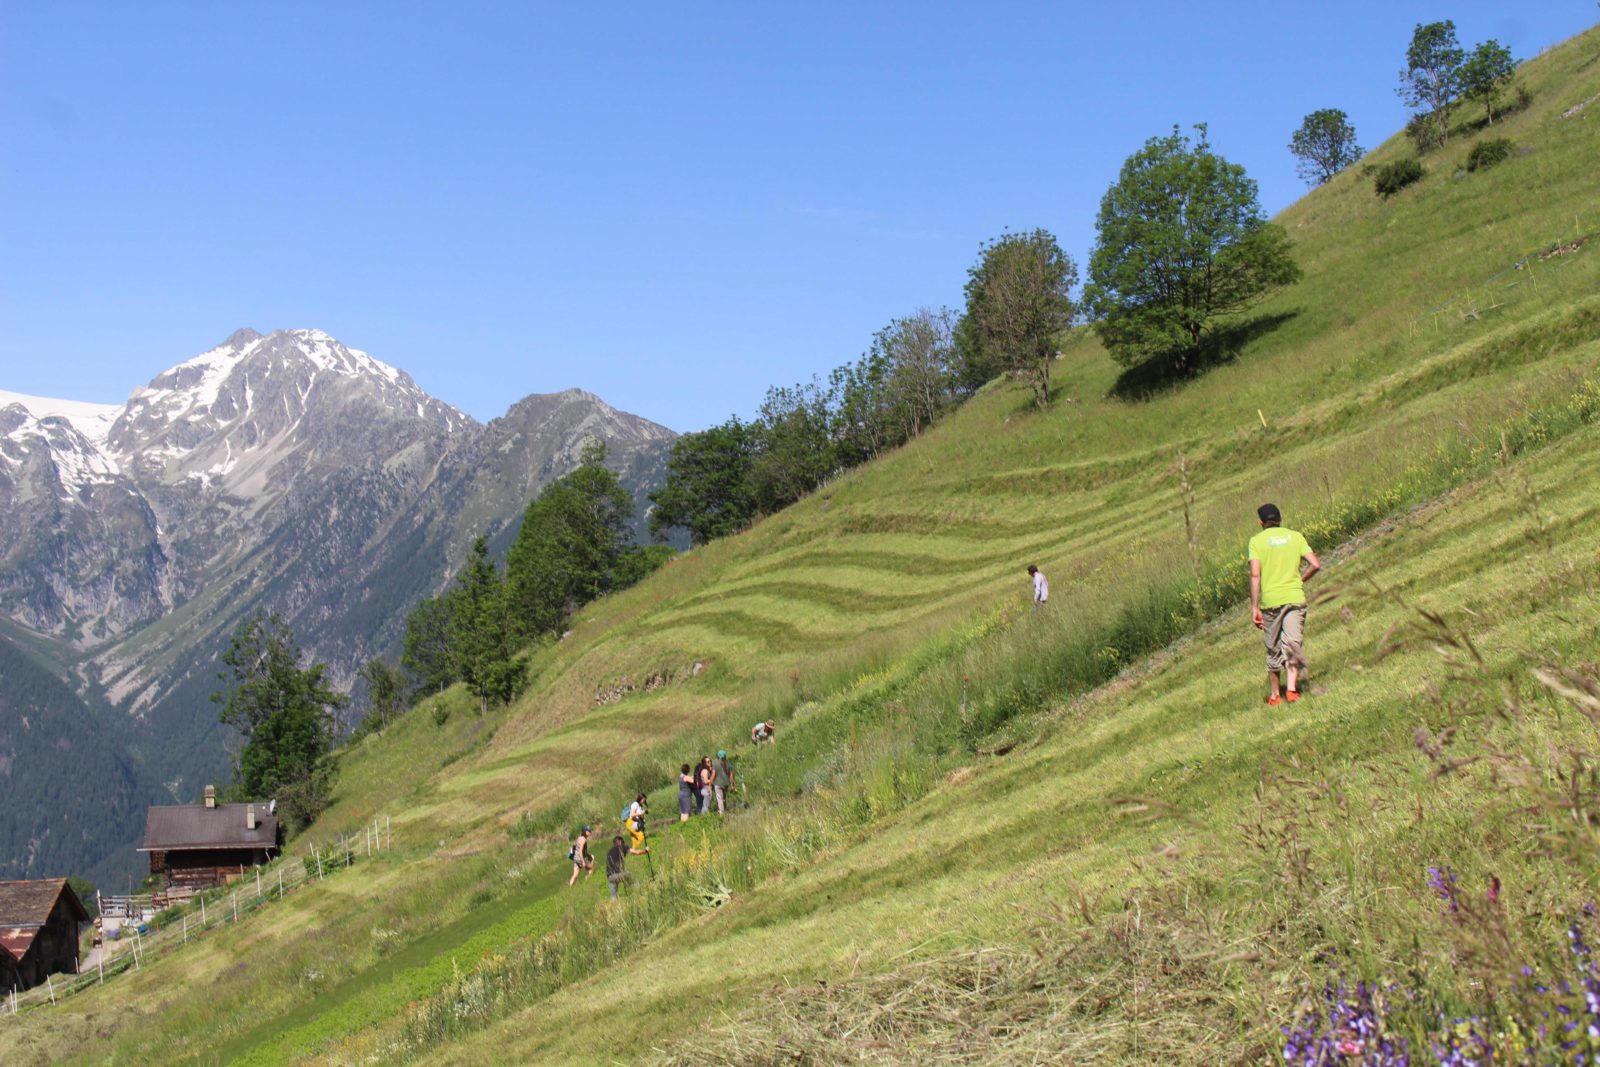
71,791
284,472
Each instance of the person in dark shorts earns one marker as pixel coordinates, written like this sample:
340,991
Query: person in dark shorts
1278,599
617,865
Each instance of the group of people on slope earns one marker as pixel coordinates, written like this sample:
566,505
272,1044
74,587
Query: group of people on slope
635,844
1277,599
704,783
699,788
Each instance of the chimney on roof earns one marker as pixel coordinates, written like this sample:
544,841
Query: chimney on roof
211,796
250,817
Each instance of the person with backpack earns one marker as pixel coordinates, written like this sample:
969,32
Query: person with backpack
724,780
617,865
633,818
582,862
1278,599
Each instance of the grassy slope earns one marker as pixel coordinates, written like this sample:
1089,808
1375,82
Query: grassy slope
1355,388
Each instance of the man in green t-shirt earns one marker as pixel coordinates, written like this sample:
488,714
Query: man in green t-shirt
1278,598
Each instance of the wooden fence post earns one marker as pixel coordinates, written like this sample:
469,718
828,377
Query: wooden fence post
51,986
258,883
202,909
235,905
186,929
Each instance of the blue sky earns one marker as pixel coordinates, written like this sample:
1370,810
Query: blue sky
672,205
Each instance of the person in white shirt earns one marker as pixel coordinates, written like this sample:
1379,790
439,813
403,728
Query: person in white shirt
1041,586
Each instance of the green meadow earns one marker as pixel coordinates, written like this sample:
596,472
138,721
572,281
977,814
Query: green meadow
992,835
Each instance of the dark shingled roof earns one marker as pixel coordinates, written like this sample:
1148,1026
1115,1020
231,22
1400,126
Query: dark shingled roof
26,906
176,827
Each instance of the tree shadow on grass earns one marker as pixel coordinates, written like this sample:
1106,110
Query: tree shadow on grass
1161,374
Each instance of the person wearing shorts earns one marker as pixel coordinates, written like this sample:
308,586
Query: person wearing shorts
1278,599
582,862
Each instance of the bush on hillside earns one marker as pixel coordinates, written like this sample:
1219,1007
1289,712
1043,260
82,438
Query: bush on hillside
1486,154
1393,177
1425,133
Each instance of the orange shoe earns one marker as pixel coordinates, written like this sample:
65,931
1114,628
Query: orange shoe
1291,695
1273,701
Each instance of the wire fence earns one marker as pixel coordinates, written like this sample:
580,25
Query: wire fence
1543,266
144,940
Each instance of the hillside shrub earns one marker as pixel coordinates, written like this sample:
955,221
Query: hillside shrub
1393,177
1486,154
1423,130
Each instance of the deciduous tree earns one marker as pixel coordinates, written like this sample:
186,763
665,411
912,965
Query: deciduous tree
794,452
566,553
284,711
1182,242
1324,145
1432,76
1486,73
708,490
1019,298
426,653
386,691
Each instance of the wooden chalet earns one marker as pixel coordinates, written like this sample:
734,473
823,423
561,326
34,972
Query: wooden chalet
196,846
39,924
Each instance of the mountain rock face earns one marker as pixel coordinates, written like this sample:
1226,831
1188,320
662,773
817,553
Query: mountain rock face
283,472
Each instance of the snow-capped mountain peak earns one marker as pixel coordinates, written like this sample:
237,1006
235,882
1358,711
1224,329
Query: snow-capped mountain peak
93,421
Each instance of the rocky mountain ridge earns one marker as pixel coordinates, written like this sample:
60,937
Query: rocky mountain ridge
282,471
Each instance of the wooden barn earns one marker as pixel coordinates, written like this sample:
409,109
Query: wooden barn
196,846
39,924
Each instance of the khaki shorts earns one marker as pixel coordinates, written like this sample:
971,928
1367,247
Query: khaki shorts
1285,631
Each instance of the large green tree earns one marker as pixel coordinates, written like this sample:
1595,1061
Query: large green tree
1182,242
573,536
708,490
1019,299
794,450
1486,73
284,711
1432,75
1324,145
481,635
903,383
426,654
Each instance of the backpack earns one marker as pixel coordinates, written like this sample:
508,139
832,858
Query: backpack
625,809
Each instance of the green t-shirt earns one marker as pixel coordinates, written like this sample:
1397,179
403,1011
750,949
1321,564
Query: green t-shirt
1280,552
